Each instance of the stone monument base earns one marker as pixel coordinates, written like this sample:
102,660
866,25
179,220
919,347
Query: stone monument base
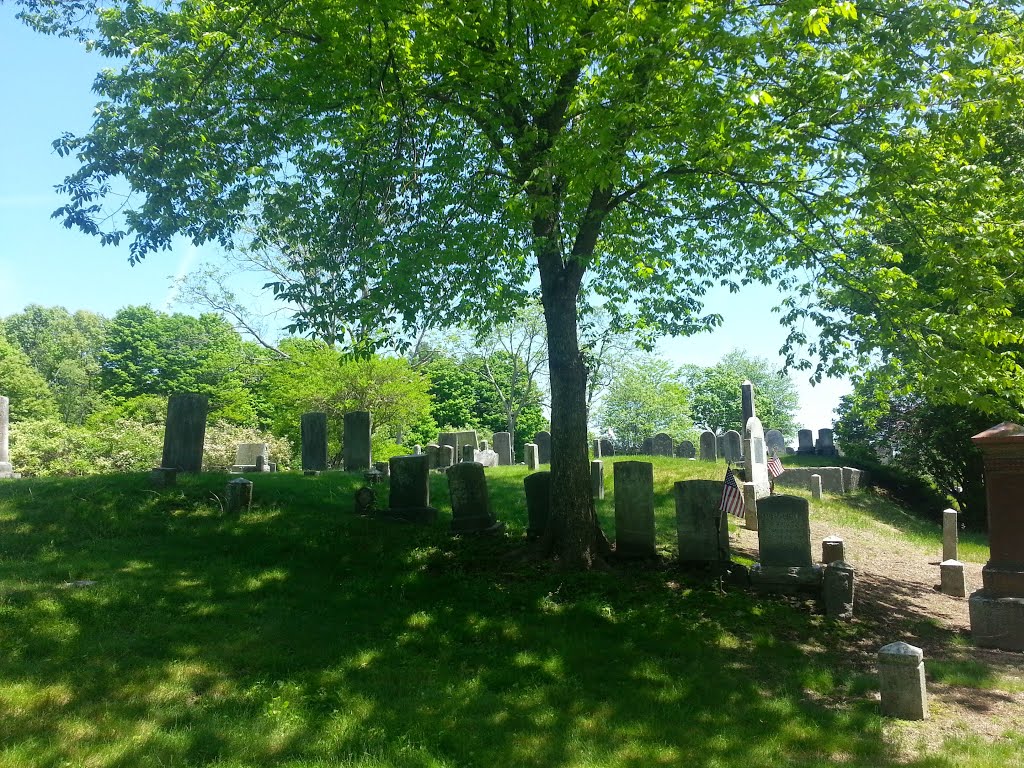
411,514
474,525
787,580
997,622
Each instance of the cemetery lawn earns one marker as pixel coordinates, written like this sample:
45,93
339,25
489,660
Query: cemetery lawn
143,627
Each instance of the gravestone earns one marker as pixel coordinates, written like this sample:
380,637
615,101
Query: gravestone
607,449
597,479
532,460
433,455
471,506
184,432
538,501
815,486
774,442
950,534
543,442
790,451
701,527
468,453
634,509
720,445
356,448
314,442
832,550
837,590
445,457
248,456
749,506
417,450
732,446
826,445
997,609
755,458
6,468
483,445
662,444
708,446
901,682
503,447
597,448
409,498
647,447
458,439
747,398
852,479
952,578
238,495
805,442
383,467
784,543
486,458
686,450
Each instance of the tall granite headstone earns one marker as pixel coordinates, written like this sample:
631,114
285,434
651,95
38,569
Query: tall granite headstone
805,442
647,447
775,442
747,396
708,446
445,457
532,456
997,609
458,439
433,454
471,506
634,509
538,501
826,445
686,450
662,444
356,449
314,442
543,442
597,479
784,541
607,449
755,458
701,527
184,432
503,447
732,445
596,447
409,497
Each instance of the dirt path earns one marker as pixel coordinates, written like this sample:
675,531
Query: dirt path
898,598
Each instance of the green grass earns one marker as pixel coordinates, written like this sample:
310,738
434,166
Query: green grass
300,635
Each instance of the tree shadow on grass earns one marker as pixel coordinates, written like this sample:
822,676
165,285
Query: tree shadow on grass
300,634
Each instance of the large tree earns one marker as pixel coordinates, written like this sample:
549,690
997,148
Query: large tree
450,154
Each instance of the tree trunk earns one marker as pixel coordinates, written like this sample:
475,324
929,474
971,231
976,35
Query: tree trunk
573,532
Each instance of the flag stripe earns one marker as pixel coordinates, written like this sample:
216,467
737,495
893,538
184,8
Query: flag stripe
775,466
732,499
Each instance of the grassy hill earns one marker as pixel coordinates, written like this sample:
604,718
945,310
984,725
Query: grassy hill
301,635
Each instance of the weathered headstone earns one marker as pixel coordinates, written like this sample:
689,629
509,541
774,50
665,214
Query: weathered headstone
417,450
950,534
597,479
852,479
596,447
607,449
314,442
532,456
184,432
701,527
543,442
468,453
815,486
997,609
634,509
445,457
239,496
708,446
409,497
749,506
248,456
433,453
471,506
837,590
365,502
383,467
732,445
662,444
747,397
825,445
952,578
538,501
805,441
6,468
503,447
901,682
458,439
356,448
775,442
755,458
687,450
784,541
832,550
720,445
486,458
647,447
484,446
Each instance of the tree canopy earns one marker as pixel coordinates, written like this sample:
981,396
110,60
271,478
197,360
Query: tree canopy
444,157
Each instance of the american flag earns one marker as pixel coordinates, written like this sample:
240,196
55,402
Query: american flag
732,499
774,467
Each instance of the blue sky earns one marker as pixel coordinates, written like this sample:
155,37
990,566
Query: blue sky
46,90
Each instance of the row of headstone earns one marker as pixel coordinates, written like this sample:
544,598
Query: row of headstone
823,446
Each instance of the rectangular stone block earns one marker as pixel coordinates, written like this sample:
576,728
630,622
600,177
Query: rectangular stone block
356,454
701,527
634,509
784,531
185,432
